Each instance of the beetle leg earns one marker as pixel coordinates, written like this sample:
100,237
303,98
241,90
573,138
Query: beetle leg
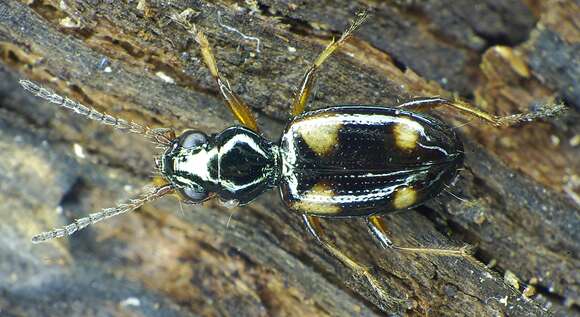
309,79
378,229
239,109
424,104
315,228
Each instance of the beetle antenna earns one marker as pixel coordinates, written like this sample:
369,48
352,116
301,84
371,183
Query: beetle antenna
162,136
149,194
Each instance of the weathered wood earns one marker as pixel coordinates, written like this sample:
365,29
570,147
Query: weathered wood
518,183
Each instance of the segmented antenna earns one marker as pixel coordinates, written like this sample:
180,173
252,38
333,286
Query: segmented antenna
161,136
149,194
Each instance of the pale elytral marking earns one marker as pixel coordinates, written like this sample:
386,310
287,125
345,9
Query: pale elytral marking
404,197
321,139
317,200
406,134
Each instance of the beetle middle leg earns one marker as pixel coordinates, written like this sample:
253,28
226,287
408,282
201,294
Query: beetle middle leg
424,104
309,79
378,229
315,228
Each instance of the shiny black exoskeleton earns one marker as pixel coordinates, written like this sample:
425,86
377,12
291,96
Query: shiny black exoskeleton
237,165
362,160
335,162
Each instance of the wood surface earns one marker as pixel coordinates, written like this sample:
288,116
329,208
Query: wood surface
517,199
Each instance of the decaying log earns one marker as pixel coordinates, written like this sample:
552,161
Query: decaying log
517,199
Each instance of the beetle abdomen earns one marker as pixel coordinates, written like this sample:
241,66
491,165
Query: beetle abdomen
360,160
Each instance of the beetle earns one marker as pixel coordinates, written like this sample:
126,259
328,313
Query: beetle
340,161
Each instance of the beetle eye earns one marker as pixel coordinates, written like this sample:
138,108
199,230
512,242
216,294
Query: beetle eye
194,195
193,139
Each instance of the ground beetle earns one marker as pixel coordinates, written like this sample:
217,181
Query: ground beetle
342,161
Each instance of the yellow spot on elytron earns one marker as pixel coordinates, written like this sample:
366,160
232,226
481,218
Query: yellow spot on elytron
320,138
316,201
405,197
406,134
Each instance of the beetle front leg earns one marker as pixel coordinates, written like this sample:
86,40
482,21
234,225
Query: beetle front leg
425,104
309,79
238,108
379,231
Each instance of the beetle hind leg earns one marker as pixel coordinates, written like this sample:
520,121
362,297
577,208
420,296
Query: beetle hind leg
424,104
379,231
317,231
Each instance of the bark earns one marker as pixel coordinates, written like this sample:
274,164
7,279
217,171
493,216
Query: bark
518,194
